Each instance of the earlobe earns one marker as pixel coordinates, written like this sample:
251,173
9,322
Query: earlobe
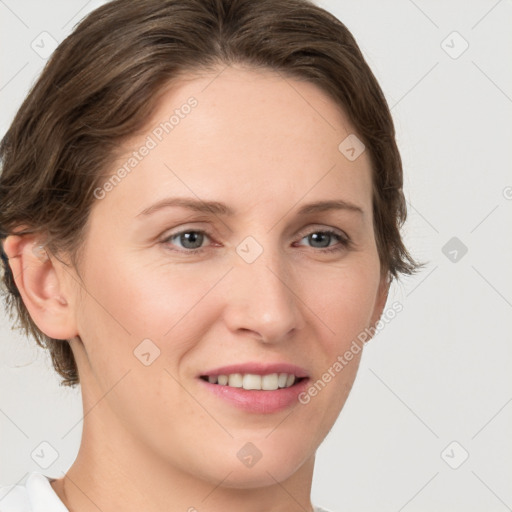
40,286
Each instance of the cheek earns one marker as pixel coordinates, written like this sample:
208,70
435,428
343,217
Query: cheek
343,300
130,301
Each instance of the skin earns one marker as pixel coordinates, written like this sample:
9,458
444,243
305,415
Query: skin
265,146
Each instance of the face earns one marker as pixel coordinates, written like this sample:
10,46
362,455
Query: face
176,300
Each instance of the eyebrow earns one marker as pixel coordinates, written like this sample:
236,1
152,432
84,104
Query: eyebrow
217,208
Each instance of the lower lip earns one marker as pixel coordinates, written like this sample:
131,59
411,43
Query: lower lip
258,401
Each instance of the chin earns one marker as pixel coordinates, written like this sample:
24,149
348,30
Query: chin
260,475
245,464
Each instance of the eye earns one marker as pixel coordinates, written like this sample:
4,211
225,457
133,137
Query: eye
190,240
321,239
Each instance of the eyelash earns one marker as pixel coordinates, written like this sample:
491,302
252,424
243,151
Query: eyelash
346,243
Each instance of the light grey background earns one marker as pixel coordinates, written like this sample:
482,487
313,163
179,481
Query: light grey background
437,373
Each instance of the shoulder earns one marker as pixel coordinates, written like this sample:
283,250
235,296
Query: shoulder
35,494
14,498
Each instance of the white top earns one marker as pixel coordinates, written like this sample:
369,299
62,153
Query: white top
37,495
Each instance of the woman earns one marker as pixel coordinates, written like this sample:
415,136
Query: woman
201,207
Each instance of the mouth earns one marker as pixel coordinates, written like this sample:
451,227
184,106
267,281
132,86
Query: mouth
255,387
252,381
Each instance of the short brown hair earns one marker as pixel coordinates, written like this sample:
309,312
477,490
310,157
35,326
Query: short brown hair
101,85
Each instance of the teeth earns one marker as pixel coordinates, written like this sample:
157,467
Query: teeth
269,382
281,380
251,381
235,380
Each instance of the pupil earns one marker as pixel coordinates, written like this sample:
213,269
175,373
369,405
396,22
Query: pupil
192,237
315,237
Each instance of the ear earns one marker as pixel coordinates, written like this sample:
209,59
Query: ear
381,298
41,286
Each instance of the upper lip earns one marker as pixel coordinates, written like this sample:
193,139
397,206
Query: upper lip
256,368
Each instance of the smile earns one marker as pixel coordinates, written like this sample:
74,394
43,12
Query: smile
251,381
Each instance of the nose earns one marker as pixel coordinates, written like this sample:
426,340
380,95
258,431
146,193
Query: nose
262,297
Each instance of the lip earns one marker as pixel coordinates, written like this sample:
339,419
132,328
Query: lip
258,369
254,400
258,401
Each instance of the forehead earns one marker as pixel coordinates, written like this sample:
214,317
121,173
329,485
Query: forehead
247,137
